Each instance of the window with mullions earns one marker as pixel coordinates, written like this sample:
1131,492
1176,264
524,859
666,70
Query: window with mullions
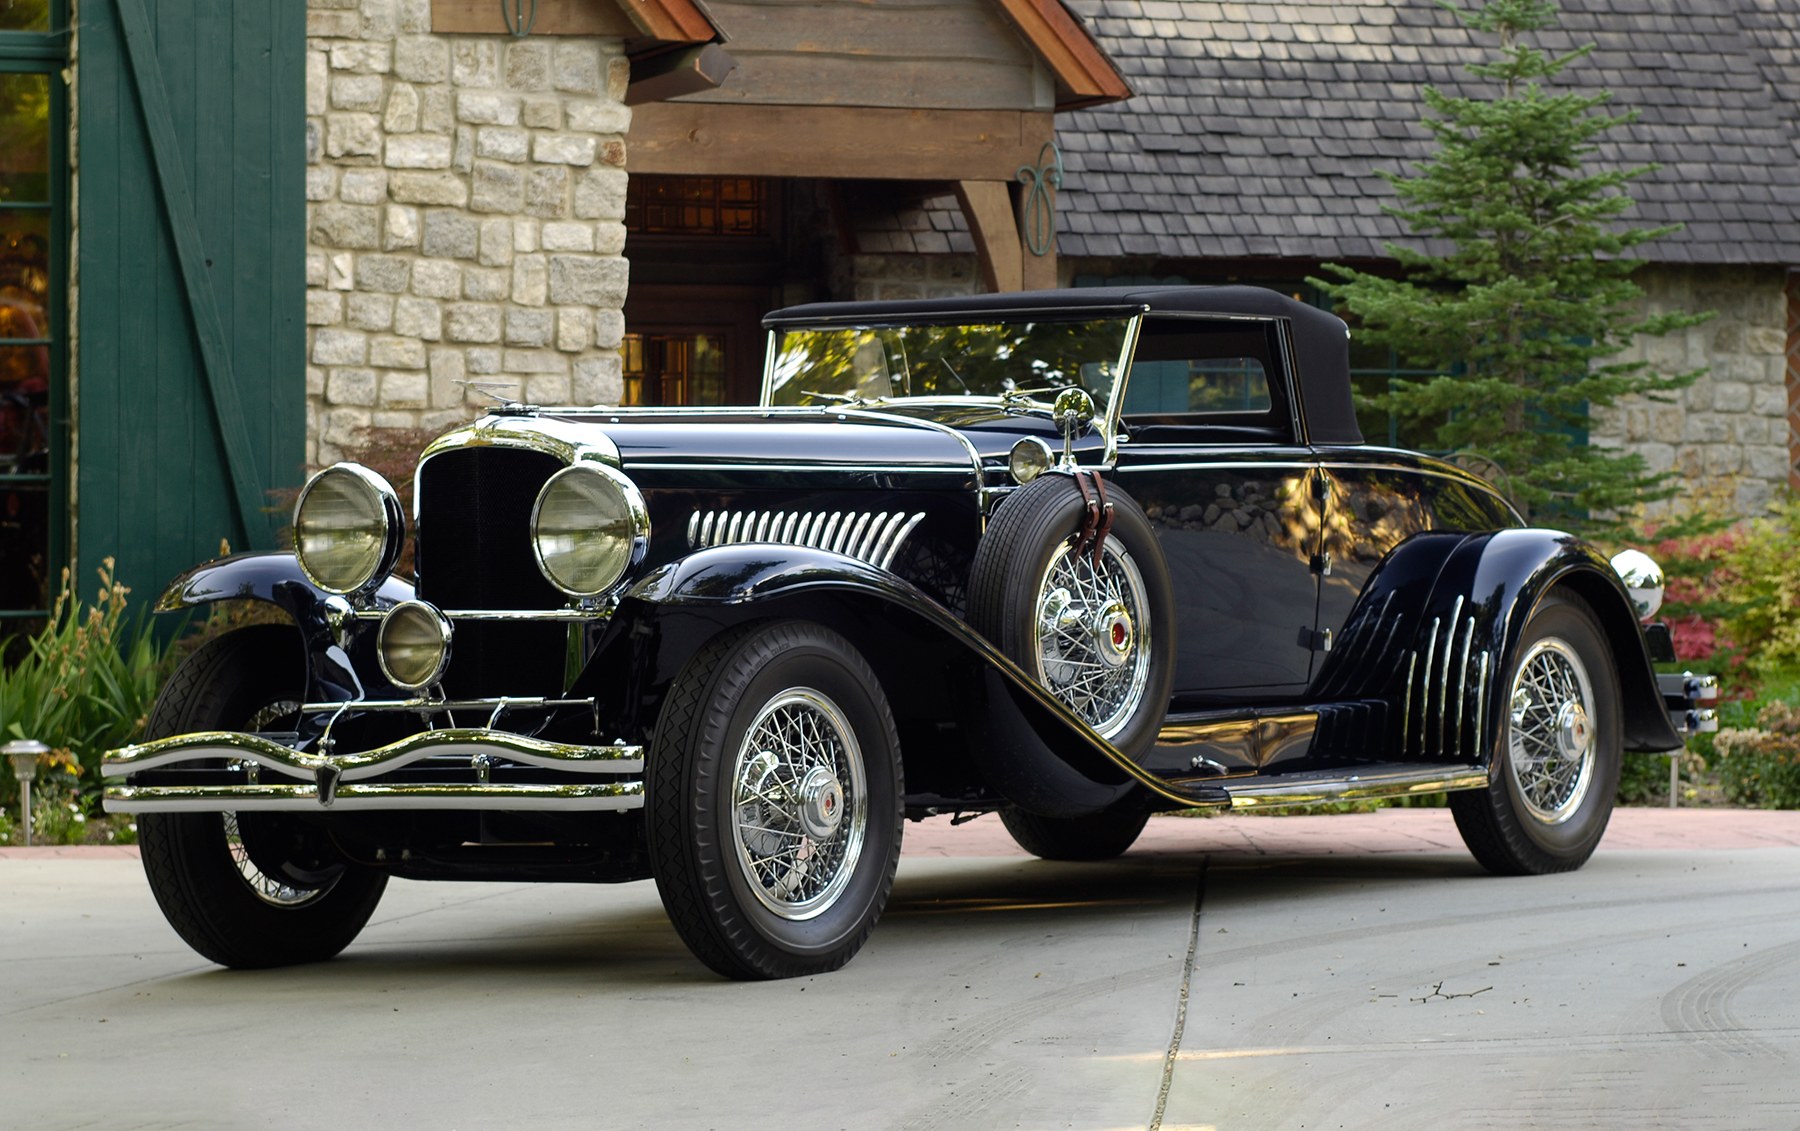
33,237
697,206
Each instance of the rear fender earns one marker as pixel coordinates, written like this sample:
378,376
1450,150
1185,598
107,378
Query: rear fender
328,634
1437,629
1025,743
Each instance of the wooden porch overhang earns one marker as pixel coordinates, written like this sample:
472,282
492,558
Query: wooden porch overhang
1084,75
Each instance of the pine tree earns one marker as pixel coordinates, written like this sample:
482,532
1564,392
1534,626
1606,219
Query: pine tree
1526,311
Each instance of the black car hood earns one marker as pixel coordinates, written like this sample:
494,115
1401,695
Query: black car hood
935,434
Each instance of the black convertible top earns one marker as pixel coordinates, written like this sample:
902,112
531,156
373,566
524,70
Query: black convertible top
1321,340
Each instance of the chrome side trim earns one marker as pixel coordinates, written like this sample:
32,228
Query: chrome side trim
1444,676
1425,698
832,468
1462,683
870,536
1412,663
968,445
612,796
454,742
1481,687
1326,785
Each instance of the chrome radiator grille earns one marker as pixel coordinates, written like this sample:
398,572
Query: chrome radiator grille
873,537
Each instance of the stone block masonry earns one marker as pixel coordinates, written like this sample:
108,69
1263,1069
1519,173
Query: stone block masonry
1726,435
465,220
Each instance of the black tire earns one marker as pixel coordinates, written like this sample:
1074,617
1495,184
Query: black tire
717,865
1557,769
1030,536
250,890
1097,836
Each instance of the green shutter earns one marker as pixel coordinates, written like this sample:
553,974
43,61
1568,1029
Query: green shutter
190,395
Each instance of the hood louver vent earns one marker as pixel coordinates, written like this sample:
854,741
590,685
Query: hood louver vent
867,535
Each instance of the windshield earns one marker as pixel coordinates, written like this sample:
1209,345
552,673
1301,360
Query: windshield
970,360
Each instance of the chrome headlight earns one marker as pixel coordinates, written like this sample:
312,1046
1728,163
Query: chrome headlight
588,527
1029,458
1643,579
347,528
413,645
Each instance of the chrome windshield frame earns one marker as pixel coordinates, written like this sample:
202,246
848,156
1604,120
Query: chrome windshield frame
1107,422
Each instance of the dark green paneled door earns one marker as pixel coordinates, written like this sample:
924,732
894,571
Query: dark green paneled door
190,386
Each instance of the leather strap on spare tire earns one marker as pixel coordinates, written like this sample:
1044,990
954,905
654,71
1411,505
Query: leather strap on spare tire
1070,583
1091,538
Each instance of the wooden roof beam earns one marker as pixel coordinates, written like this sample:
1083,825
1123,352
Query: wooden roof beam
648,23
1085,75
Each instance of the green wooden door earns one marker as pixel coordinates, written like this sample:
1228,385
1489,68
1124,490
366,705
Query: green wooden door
190,349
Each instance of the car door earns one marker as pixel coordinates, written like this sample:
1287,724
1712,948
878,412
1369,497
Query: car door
1210,449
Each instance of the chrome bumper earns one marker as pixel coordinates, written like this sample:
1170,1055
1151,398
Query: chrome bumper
600,777
1685,696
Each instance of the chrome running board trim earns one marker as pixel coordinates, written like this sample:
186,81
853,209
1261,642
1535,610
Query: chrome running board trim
1320,786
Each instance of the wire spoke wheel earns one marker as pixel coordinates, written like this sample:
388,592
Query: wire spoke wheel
774,801
1093,635
272,890
1552,734
1559,747
249,889
800,803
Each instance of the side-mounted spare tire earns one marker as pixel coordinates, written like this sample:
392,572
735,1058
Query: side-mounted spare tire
1099,637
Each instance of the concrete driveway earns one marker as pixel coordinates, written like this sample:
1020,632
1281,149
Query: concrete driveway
1230,972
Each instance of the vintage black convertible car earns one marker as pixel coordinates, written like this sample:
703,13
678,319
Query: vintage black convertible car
1067,557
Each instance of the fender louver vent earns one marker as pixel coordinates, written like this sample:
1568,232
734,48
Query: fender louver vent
872,537
1444,713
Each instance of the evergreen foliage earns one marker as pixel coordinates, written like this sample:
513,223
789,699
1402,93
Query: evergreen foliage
1524,294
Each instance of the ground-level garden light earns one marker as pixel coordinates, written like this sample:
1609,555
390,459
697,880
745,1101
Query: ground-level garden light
24,753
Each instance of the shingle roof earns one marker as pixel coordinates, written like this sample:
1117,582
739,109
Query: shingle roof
1257,127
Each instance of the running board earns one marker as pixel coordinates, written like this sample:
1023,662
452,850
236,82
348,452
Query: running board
1350,783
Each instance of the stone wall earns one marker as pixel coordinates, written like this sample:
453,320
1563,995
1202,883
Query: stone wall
1726,434
465,219
877,277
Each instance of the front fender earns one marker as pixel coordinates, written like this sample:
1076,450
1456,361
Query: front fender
275,578
1028,745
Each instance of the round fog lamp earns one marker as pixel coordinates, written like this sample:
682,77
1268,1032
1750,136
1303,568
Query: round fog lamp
1029,458
588,527
347,528
413,645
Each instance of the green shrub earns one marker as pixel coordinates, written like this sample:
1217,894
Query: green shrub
1643,780
1760,766
84,685
1758,578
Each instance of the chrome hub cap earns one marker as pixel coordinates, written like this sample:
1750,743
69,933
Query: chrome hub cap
821,803
1573,735
1112,635
1092,628
1551,741
799,804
